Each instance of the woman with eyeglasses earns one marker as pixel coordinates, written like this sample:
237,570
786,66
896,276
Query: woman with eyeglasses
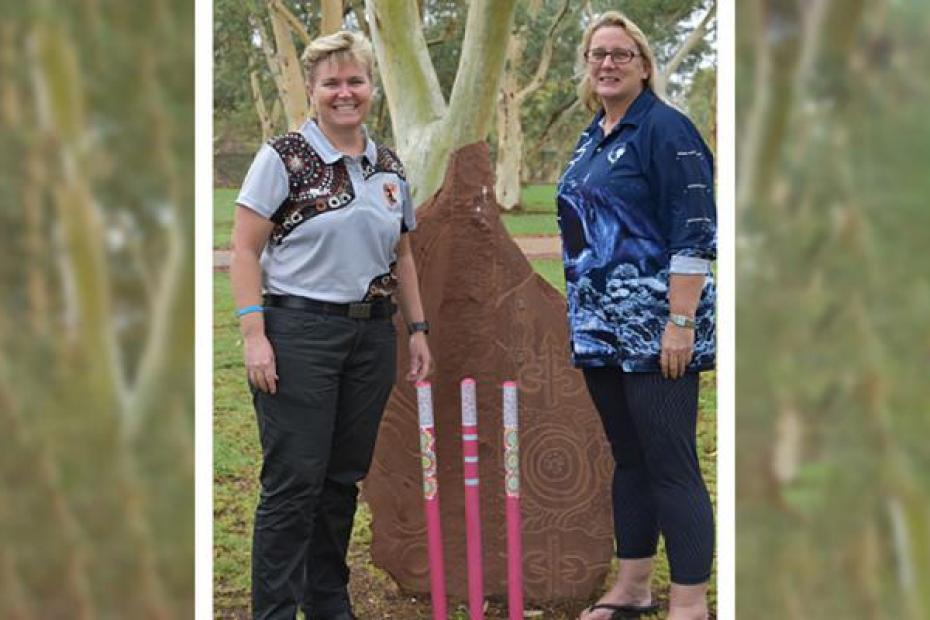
638,225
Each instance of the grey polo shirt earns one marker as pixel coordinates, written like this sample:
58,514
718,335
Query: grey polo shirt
338,218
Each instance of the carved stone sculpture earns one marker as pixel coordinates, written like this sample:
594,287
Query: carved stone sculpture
492,319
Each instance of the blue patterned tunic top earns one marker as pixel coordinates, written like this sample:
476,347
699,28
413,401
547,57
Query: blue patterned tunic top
633,207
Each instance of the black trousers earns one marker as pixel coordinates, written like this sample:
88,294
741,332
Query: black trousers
317,434
651,424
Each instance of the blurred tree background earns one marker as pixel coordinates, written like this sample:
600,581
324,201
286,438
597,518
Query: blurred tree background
96,310
833,341
549,115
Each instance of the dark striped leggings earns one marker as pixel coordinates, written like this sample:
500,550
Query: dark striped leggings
651,422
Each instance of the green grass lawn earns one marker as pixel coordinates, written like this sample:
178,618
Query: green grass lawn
552,271
536,218
224,206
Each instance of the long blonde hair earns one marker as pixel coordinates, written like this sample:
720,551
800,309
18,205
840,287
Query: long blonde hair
609,19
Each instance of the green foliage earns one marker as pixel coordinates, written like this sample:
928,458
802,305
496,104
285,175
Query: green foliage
702,105
549,135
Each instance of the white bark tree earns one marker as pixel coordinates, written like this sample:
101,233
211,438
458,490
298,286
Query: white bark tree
509,170
426,127
511,151
332,16
687,46
258,101
283,61
283,58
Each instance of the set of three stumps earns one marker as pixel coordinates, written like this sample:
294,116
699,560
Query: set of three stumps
472,495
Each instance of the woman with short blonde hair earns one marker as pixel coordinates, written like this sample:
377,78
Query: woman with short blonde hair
320,254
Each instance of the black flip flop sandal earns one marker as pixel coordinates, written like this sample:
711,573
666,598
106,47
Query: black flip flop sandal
625,611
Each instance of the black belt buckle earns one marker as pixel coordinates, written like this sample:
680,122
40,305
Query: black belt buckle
360,311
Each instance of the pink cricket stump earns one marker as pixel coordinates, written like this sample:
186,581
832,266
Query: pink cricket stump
472,503
437,577
512,490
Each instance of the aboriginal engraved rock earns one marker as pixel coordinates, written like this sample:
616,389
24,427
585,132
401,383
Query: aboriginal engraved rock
492,319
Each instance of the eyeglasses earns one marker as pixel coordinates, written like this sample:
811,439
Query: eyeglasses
620,56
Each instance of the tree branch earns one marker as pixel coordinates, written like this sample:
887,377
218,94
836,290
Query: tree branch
554,119
447,34
259,101
291,85
358,7
543,67
687,46
60,102
293,23
267,50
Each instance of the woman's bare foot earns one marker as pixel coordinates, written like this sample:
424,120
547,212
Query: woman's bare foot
631,588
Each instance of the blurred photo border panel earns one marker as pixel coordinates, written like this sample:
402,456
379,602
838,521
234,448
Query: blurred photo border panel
726,310
203,303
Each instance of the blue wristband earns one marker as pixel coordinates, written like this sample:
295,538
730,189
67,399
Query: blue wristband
248,310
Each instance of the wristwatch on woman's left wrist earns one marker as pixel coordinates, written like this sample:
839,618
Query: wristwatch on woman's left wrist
418,326
681,320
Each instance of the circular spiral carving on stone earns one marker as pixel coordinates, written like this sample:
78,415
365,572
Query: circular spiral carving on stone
557,467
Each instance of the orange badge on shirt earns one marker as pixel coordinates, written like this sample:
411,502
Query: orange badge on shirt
390,193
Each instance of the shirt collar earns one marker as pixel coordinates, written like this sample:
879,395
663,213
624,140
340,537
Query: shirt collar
635,113
329,153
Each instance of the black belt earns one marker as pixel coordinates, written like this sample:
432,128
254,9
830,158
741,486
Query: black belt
380,309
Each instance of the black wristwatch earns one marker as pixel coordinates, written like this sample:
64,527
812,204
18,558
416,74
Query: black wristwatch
418,326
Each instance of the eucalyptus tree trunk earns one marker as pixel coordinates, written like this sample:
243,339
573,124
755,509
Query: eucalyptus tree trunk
332,16
258,101
509,166
283,60
426,128
510,148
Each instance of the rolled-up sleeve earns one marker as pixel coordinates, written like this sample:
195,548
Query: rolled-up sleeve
265,185
409,209
682,169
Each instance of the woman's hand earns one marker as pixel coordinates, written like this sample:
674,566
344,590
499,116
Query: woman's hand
677,349
260,363
421,361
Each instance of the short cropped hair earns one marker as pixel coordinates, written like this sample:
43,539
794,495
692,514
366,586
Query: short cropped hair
339,46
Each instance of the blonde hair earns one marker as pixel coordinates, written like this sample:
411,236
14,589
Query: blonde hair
610,19
339,47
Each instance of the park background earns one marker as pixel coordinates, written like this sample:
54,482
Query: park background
97,295
535,120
